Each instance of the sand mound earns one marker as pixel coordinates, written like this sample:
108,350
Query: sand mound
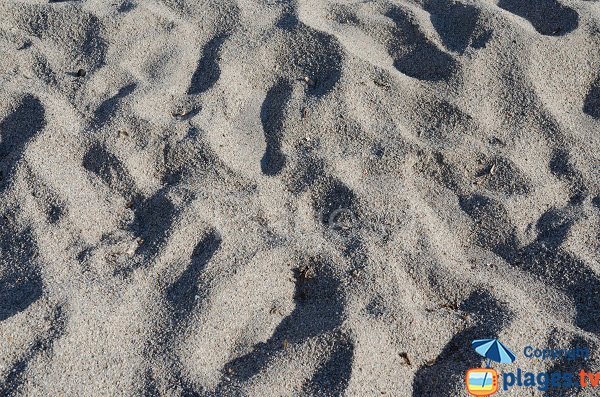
283,198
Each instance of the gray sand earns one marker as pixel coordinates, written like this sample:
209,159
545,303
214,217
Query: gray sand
293,198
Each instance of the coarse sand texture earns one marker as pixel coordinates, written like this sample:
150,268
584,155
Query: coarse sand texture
295,197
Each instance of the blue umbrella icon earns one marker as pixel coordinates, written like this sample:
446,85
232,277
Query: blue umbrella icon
493,349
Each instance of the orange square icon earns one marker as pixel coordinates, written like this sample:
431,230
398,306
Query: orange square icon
482,381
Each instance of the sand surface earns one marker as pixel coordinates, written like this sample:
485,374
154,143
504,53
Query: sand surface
294,198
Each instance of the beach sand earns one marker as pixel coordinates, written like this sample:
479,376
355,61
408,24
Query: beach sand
294,198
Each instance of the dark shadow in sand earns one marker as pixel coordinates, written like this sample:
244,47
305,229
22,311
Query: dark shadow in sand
318,311
591,105
182,294
272,114
548,17
99,161
42,345
455,23
109,106
21,283
208,71
447,373
16,131
420,57
544,258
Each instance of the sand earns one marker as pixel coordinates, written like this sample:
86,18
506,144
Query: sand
294,198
